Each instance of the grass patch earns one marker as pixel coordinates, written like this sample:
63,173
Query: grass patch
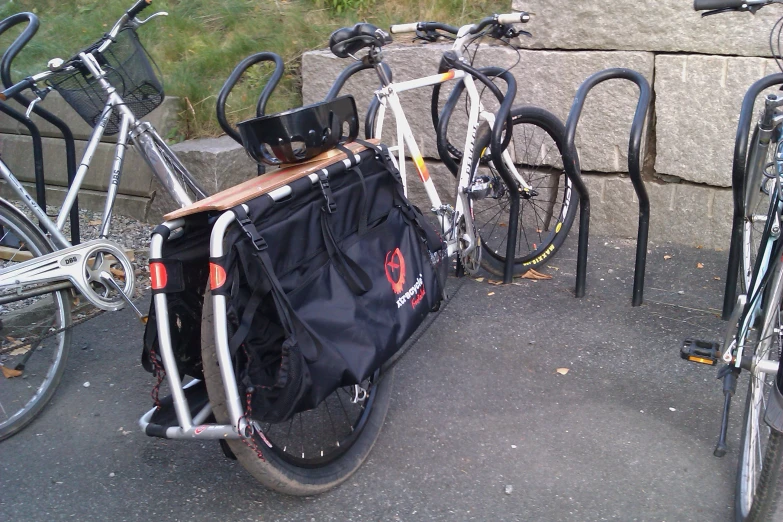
200,42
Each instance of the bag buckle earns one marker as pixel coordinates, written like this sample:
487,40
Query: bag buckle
323,181
249,228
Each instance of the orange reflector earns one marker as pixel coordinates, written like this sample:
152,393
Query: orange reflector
158,277
217,276
702,361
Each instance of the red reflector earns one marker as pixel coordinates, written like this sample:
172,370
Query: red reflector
217,276
158,277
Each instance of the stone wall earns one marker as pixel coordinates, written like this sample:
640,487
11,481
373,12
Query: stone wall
699,68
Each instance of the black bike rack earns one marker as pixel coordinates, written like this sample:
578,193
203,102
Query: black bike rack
70,145
738,170
571,158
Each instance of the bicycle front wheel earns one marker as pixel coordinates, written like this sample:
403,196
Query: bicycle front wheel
760,467
315,450
546,210
33,344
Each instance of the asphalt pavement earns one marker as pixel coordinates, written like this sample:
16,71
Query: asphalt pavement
481,426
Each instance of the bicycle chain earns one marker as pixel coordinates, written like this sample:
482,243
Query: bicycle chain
39,339
95,312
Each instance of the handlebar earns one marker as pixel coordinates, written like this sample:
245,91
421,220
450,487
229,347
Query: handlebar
501,19
706,5
422,26
138,7
16,89
729,5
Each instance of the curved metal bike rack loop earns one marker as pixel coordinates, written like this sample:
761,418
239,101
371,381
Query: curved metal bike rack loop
70,146
738,170
634,170
263,98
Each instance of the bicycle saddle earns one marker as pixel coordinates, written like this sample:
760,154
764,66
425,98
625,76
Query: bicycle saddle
348,40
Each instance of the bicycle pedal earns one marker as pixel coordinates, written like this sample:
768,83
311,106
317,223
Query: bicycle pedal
702,352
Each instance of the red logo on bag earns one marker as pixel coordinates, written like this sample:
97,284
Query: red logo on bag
395,270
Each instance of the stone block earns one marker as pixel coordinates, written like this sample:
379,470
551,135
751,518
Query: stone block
679,212
548,79
163,119
131,206
17,152
697,106
662,25
216,163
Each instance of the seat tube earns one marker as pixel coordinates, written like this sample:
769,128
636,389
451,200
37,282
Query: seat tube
116,173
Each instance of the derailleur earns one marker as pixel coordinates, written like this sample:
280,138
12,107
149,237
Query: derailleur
486,187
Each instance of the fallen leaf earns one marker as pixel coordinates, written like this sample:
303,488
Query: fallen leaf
699,265
532,274
479,279
94,222
667,257
699,247
491,293
494,282
118,273
562,371
21,350
716,278
8,373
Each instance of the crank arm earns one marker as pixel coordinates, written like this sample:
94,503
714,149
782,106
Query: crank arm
70,264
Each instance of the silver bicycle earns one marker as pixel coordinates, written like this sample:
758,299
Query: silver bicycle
754,337
111,84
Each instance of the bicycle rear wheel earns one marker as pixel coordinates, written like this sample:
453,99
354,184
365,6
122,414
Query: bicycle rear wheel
31,354
315,450
760,467
546,212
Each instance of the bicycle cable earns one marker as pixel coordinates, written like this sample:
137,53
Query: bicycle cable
777,56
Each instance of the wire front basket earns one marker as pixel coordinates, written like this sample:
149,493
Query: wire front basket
128,69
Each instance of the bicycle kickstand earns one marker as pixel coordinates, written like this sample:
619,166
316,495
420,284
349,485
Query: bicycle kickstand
729,374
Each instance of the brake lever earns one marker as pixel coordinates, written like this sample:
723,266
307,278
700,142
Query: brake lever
40,95
136,23
431,36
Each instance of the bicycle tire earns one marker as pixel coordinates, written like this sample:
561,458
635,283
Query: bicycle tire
542,229
758,492
280,469
23,397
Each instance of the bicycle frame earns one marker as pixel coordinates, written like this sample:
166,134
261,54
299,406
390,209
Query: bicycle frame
58,266
388,96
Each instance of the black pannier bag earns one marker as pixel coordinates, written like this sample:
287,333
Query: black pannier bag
326,285
186,259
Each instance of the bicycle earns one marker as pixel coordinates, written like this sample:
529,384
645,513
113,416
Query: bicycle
304,460
111,84
753,337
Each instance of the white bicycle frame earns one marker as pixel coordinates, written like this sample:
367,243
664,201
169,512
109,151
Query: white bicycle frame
388,96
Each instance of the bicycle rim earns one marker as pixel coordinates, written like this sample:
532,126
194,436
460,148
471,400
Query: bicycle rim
546,211
32,362
756,460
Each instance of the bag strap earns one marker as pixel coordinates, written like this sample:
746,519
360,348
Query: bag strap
285,309
383,153
431,237
353,274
